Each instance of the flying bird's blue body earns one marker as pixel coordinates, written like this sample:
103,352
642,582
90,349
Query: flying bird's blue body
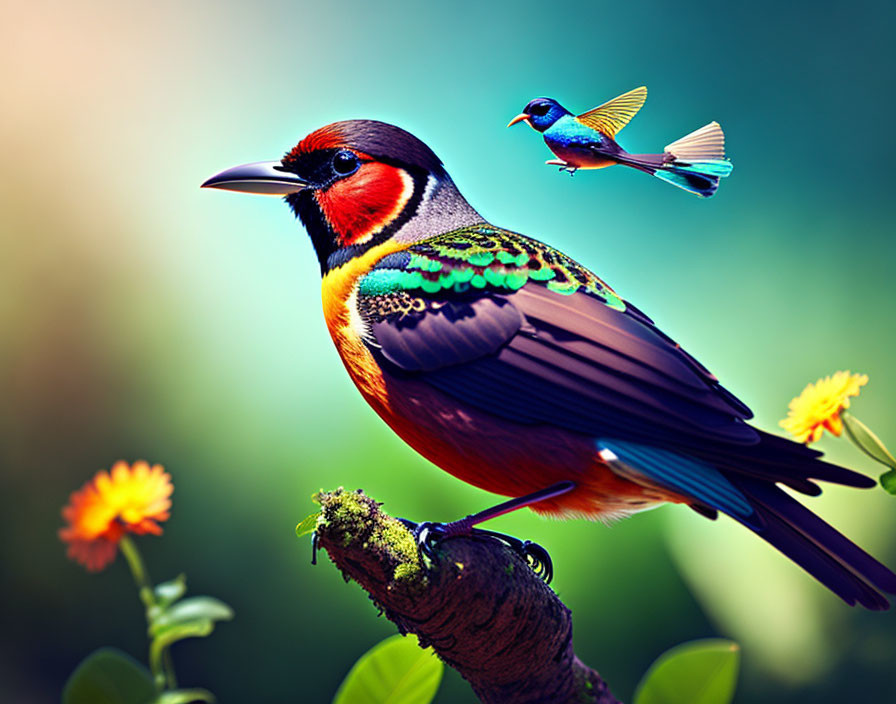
695,162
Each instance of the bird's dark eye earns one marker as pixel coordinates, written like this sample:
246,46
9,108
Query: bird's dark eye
345,162
539,109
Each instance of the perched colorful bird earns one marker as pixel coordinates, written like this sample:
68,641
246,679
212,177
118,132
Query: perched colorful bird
695,162
516,369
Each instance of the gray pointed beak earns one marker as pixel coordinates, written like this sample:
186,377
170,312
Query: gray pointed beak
263,177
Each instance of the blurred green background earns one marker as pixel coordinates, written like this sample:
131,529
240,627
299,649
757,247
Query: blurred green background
144,318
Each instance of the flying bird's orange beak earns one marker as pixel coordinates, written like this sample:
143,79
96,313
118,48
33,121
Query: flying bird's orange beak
519,118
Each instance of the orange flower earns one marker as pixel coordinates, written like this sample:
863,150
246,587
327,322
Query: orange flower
127,499
819,406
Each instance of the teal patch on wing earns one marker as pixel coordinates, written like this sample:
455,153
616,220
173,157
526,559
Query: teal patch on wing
690,477
382,281
483,257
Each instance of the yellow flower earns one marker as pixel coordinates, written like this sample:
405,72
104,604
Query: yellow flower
125,500
819,405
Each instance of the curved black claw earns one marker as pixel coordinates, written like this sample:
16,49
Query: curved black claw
428,534
534,555
539,560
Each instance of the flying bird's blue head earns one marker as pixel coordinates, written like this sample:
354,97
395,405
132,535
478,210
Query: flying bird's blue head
541,113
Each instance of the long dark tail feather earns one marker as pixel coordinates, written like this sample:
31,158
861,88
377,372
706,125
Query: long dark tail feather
822,551
778,451
777,459
786,524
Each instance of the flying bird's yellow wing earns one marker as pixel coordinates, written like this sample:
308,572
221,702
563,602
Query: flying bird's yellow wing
615,114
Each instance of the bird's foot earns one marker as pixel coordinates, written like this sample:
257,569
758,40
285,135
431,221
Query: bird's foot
564,165
429,534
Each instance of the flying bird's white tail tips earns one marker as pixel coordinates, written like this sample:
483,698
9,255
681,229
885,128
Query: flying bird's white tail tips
700,145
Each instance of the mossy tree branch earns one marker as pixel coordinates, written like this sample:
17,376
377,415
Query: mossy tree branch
478,604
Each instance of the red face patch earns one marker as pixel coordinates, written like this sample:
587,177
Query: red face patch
360,205
328,137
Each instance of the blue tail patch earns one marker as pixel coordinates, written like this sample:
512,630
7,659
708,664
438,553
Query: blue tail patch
680,474
700,177
711,167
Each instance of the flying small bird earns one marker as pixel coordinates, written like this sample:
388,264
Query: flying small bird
514,368
695,162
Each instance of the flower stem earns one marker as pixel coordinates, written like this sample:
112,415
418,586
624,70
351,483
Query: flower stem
138,570
162,672
168,664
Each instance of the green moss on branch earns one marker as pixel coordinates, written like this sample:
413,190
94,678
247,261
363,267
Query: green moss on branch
478,604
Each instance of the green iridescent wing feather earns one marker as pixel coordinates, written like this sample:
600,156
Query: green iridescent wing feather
482,258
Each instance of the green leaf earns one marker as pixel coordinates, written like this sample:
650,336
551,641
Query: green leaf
108,676
396,671
169,592
178,631
173,633
888,481
184,696
699,672
866,441
197,608
308,525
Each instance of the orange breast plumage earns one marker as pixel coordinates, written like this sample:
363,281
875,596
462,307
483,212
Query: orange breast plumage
338,294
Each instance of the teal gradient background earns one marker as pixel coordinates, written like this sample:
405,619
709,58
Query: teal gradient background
144,318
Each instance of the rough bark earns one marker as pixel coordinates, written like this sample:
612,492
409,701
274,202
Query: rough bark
478,604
